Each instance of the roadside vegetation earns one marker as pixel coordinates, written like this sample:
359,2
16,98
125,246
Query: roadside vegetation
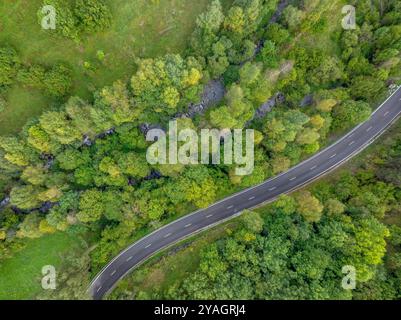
82,164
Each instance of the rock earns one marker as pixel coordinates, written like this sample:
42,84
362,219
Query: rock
265,108
280,98
146,127
5,202
47,206
307,100
87,141
280,8
213,93
132,182
49,160
153,175
106,133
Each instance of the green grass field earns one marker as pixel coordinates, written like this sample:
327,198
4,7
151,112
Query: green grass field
141,28
21,275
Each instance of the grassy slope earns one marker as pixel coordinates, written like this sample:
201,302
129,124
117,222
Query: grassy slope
21,275
141,28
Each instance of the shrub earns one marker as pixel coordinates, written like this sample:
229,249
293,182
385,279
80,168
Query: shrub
32,76
9,64
58,81
92,15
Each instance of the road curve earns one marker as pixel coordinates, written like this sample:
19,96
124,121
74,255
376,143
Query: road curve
309,170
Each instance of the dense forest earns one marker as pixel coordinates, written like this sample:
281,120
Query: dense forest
82,165
297,247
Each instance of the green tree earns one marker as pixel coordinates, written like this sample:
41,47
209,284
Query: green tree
134,165
25,197
92,15
351,113
252,221
58,81
309,206
29,228
366,88
91,206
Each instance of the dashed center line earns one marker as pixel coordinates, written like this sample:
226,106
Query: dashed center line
167,235
292,179
113,273
148,245
98,289
188,225
351,143
251,198
230,207
370,128
209,216
129,258
274,188
333,156
386,113
313,168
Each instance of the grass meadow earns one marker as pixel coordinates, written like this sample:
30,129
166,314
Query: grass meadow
21,275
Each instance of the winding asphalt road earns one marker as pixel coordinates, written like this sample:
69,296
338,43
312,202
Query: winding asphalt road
300,175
